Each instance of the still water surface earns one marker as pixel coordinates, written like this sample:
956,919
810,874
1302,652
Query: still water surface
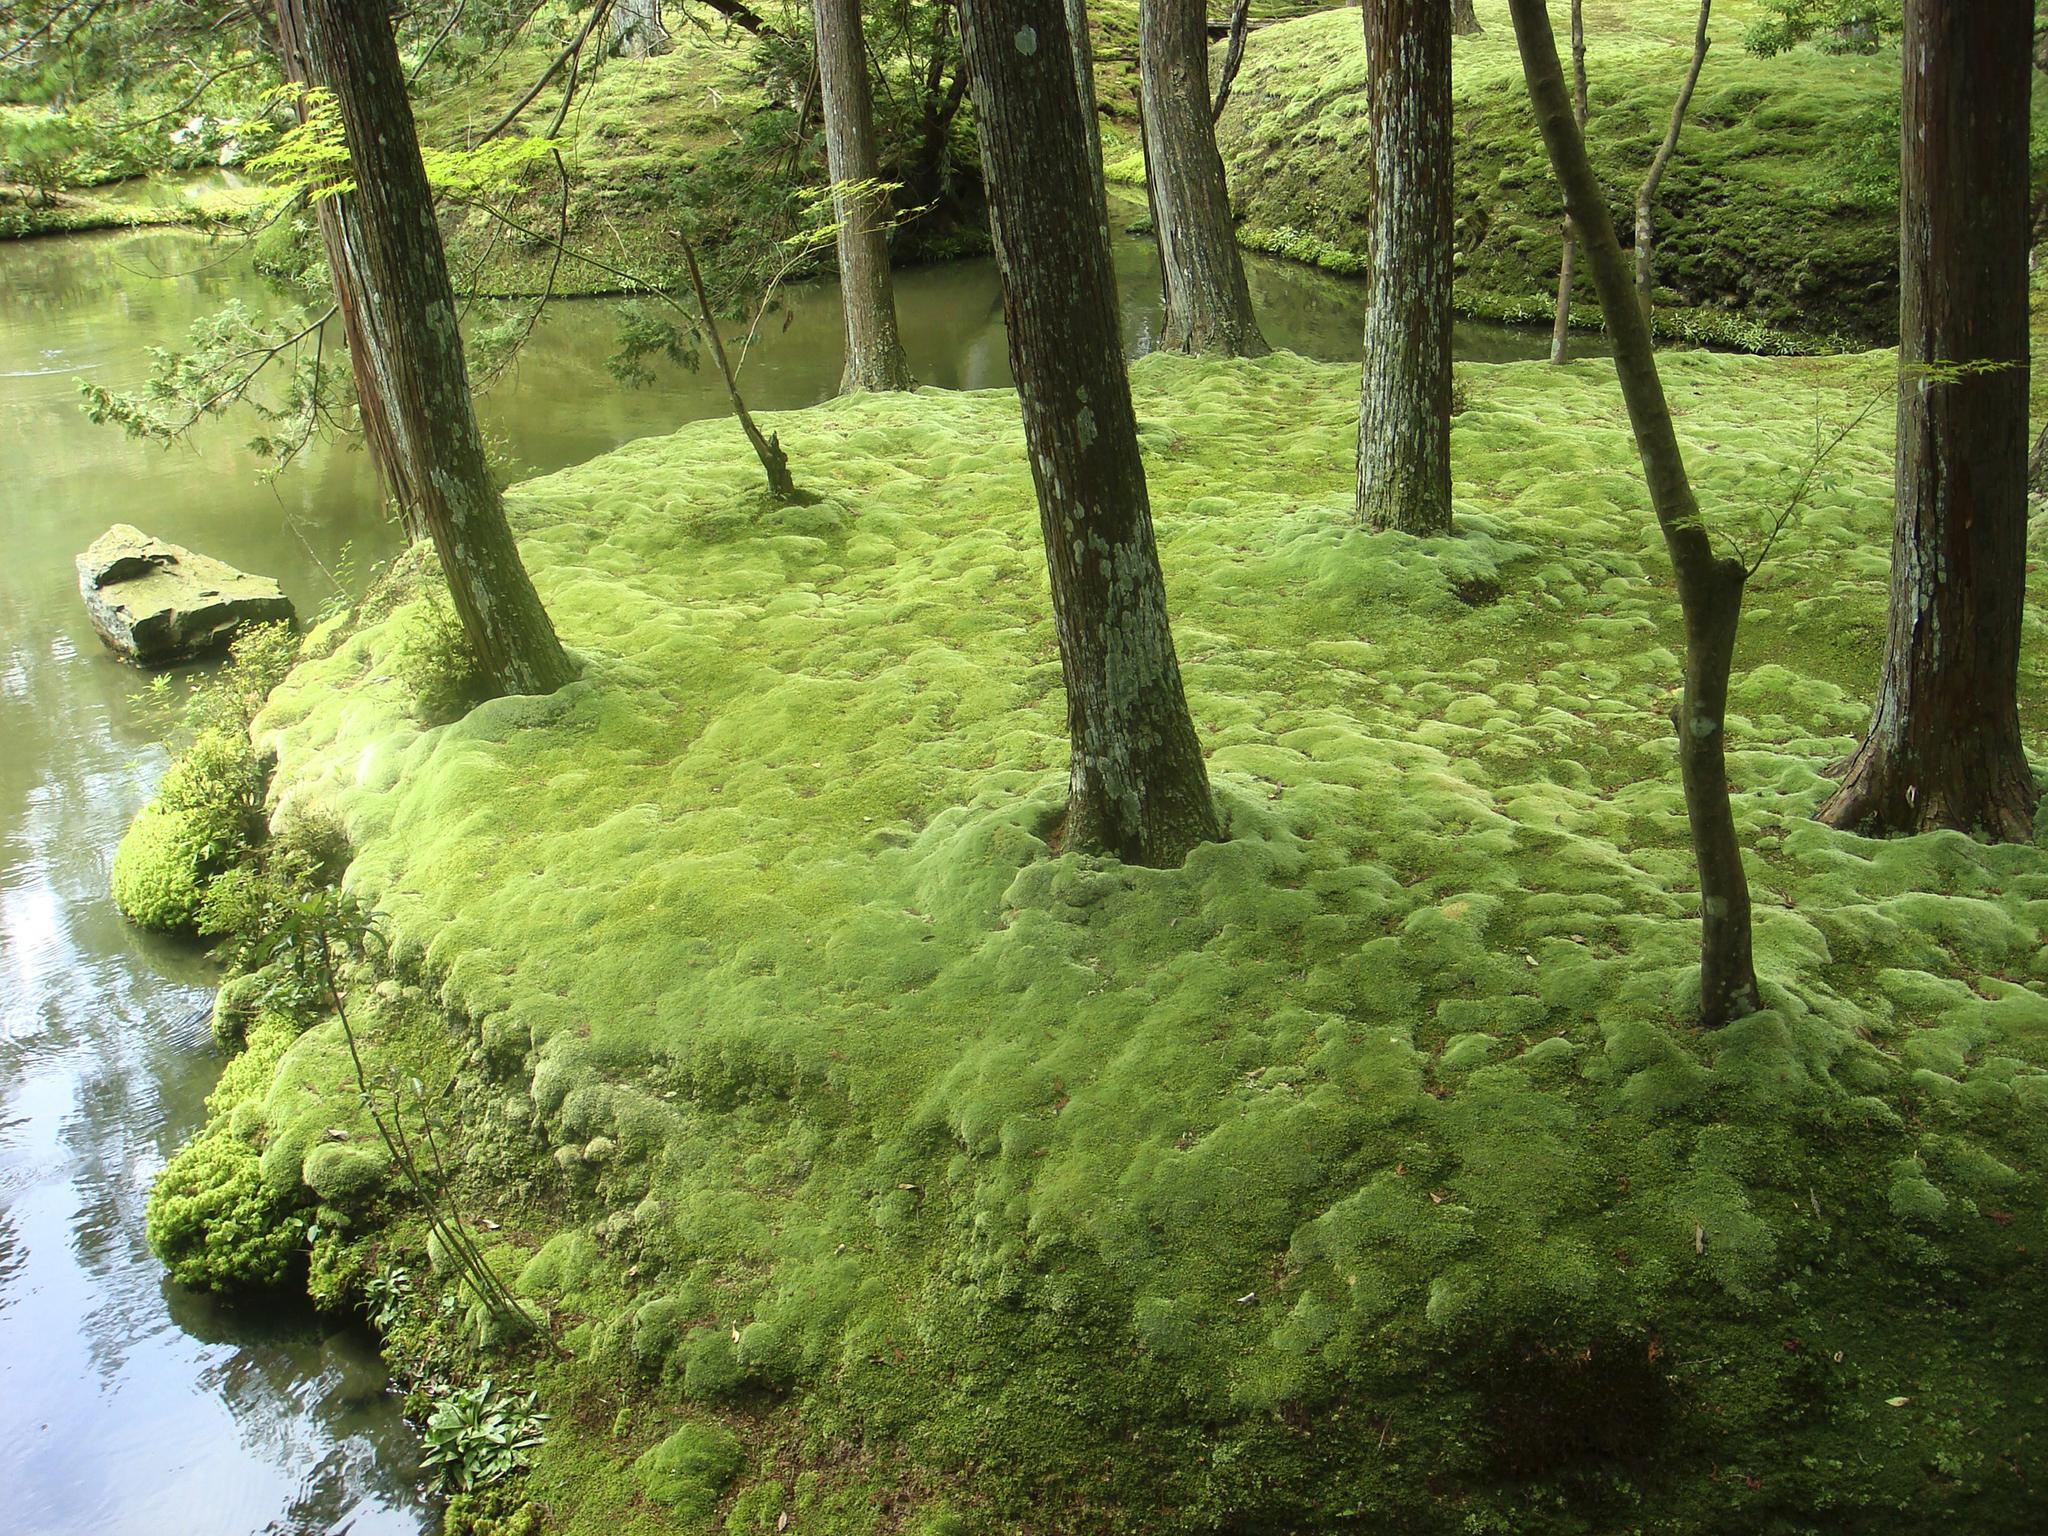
128,1405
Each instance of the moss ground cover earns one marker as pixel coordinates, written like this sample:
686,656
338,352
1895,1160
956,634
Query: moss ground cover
1768,216
878,1169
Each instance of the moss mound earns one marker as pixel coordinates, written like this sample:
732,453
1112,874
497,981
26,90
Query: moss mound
1365,1172
1768,217
206,813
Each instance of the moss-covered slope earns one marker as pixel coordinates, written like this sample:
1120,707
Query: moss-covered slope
1767,217
885,1171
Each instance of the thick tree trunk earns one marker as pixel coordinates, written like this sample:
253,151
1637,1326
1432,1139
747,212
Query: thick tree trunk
1646,199
1709,586
1561,326
1208,305
1464,20
637,31
1944,747
1404,417
874,354
1137,787
405,346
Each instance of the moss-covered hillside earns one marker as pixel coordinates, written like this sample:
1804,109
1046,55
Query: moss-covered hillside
878,1169
1779,210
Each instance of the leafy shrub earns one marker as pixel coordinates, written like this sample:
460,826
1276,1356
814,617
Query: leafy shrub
434,664
473,1439
257,662
215,1223
213,1218
205,816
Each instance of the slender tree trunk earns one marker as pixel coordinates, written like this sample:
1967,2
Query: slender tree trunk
2037,465
768,448
874,354
1084,88
1233,57
1646,199
404,343
1944,747
1137,787
1561,329
1404,417
1709,586
1464,20
1208,305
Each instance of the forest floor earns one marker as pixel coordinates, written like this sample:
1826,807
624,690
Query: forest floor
876,1169
1777,222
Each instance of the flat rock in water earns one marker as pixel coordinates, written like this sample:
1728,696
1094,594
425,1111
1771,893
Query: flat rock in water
156,603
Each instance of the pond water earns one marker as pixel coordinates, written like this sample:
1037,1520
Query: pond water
126,1403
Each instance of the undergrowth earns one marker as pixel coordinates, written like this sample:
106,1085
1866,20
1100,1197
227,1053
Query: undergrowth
1774,232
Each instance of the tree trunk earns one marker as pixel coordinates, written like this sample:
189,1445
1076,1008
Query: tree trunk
1646,200
1404,417
637,31
2037,465
1561,328
874,354
1464,20
1944,747
1208,305
405,346
1084,89
1709,586
1138,788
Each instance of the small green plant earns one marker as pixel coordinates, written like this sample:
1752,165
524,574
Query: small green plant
433,662
473,1439
388,1297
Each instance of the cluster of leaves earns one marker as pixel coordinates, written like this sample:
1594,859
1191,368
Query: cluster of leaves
1839,26
224,356
477,1437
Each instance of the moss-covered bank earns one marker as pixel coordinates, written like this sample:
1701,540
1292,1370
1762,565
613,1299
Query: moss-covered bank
1780,210
878,1169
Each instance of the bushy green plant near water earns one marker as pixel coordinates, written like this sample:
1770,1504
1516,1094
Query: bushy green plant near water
208,809
1365,1172
477,1436
214,1219
206,814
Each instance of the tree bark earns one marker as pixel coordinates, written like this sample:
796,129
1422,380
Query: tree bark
874,354
405,346
1208,305
1091,126
1561,327
637,30
1404,417
1137,786
1646,199
1709,586
1944,747
1465,20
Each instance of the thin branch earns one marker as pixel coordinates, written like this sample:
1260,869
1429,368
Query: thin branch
598,13
1233,56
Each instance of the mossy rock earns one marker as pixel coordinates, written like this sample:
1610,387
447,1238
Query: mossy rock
689,1471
